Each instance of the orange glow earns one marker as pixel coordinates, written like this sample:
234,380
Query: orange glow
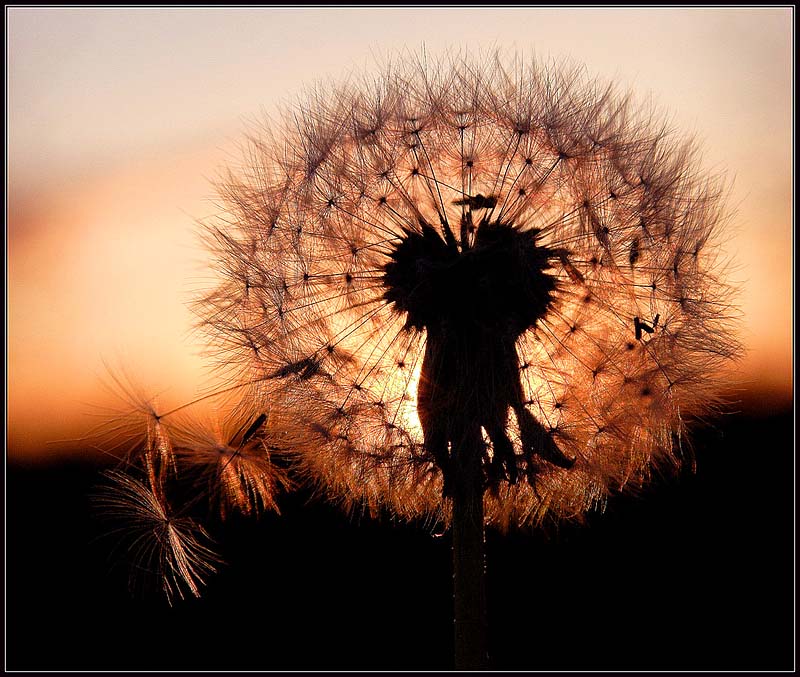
108,172
101,272
408,412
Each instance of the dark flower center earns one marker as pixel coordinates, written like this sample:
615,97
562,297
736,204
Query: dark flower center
474,304
497,285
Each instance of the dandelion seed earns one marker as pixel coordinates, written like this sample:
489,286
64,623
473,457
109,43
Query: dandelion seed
160,544
137,432
232,468
235,465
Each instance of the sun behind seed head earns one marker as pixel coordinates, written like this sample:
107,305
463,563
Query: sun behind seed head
501,244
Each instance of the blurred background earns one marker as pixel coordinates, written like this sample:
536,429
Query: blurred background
118,120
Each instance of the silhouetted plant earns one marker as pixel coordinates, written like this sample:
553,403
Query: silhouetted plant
477,291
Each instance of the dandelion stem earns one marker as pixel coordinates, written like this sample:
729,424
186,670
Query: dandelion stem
469,586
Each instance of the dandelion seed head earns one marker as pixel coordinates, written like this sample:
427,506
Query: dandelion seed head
502,244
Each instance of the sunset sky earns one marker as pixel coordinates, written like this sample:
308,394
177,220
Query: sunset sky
118,120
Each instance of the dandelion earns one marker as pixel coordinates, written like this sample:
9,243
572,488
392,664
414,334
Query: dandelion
474,292
485,292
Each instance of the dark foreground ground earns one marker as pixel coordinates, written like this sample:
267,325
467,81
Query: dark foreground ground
696,575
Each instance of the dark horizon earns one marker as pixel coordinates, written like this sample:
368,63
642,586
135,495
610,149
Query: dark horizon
696,573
